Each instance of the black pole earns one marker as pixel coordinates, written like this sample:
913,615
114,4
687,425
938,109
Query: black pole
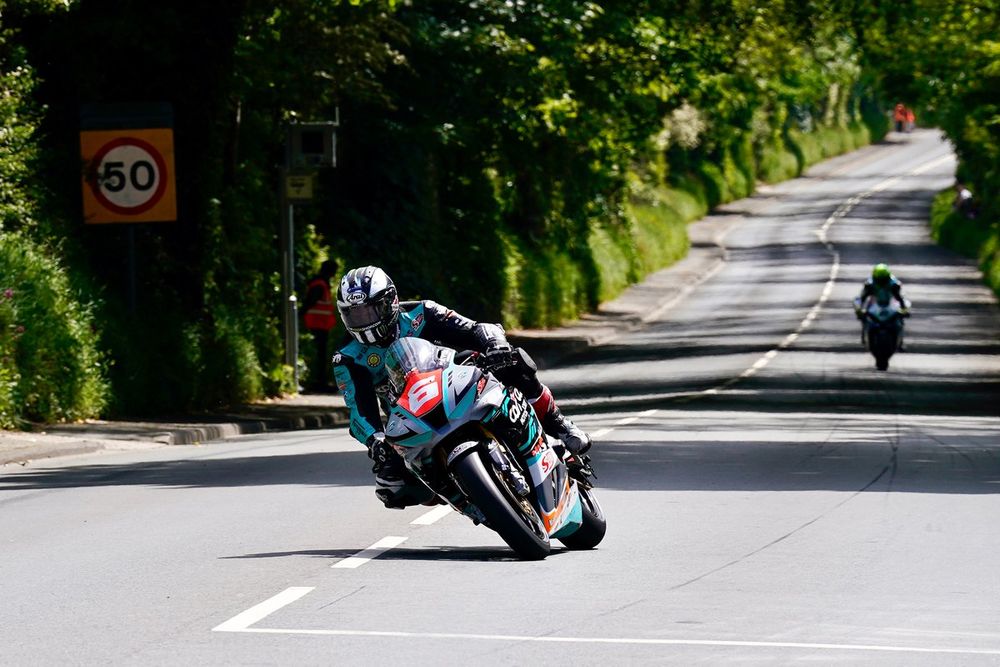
130,235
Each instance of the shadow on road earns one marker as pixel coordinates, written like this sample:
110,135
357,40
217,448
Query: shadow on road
313,469
483,554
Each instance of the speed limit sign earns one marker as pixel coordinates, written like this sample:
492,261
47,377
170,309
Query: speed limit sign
128,175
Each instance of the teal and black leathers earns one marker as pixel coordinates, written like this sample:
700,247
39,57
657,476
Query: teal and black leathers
360,369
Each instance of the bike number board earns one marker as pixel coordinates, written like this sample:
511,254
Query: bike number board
128,175
422,393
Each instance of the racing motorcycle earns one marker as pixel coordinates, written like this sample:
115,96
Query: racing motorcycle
478,445
883,321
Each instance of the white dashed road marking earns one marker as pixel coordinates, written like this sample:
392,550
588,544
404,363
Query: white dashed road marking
258,612
434,515
374,551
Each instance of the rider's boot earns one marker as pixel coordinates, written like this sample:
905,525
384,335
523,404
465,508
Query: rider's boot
558,425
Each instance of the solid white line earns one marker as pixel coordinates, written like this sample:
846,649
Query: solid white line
433,516
374,551
240,622
631,640
627,420
600,434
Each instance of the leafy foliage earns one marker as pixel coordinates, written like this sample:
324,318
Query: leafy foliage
50,365
519,160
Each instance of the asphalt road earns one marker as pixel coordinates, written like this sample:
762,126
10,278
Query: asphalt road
772,498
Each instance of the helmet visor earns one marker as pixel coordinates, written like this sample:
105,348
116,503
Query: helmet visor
358,317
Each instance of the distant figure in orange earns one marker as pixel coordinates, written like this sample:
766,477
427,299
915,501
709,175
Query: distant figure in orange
911,119
319,318
899,116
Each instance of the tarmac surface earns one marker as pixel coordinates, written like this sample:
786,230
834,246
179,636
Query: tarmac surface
637,305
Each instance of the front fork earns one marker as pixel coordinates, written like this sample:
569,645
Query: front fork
509,435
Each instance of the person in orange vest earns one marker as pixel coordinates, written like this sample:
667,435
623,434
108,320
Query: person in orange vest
911,119
899,116
318,314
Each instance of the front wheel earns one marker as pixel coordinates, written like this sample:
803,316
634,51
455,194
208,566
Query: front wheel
882,348
511,516
594,525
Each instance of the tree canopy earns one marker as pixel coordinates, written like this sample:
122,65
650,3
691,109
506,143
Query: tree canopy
519,160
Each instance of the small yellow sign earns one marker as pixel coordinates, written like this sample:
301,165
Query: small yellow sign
128,175
299,187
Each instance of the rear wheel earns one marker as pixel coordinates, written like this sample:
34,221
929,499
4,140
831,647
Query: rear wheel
593,527
510,515
882,363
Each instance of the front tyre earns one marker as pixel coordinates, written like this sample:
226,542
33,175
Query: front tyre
882,348
511,516
594,525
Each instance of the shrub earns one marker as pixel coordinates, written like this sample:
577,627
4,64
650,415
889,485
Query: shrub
52,369
9,376
973,238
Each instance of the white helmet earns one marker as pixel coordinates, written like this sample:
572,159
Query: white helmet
369,306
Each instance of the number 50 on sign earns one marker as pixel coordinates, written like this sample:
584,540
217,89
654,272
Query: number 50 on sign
128,175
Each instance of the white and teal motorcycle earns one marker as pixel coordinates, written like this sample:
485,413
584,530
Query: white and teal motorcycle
883,326
479,447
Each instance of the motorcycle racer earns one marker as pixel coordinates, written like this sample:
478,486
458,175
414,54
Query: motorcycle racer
882,285
370,309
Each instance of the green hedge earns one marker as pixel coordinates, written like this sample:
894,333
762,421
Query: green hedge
974,238
50,367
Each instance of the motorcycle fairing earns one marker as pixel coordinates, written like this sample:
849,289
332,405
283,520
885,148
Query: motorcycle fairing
558,499
457,403
883,315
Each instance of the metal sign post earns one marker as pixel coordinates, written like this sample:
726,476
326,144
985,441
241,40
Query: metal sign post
290,309
127,152
308,146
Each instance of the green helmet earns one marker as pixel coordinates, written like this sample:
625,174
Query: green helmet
881,273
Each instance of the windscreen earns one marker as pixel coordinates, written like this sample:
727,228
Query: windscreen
407,354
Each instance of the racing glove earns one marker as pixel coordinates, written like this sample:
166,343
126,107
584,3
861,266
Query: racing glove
497,358
389,470
386,462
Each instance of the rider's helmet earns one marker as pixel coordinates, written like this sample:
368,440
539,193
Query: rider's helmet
369,306
881,274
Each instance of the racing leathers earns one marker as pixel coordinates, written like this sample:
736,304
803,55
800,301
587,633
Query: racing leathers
363,380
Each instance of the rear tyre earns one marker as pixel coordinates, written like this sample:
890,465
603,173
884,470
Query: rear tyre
882,363
511,516
594,525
